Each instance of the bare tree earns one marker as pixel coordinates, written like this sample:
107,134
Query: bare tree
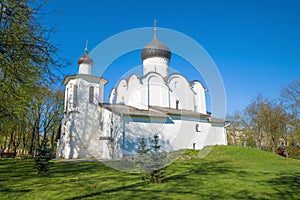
290,97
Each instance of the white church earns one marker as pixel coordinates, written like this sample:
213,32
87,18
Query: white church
139,107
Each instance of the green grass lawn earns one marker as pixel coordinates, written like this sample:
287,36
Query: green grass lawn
225,173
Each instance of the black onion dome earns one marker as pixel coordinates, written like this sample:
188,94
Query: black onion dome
86,59
156,49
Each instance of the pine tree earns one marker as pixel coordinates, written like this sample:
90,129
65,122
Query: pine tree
143,156
156,175
150,159
143,147
44,154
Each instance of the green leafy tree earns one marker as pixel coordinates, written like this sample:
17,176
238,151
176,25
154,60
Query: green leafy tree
268,121
263,124
29,64
29,59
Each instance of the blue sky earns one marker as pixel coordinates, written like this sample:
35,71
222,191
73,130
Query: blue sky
254,43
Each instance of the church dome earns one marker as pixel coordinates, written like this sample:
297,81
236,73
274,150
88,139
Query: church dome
85,59
155,49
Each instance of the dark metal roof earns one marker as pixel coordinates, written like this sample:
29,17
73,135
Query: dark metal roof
216,120
153,111
155,49
84,76
121,109
156,111
179,112
86,59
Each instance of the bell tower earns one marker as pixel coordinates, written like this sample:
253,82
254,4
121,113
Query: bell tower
82,94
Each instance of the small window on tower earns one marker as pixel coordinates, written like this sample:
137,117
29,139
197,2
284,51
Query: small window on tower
91,94
177,104
75,97
100,121
67,100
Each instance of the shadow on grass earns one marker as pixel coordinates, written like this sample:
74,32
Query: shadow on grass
14,191
204,175
134,191
140,189
185,174
206,168
287,185
106,192
12,168
74,168
185,179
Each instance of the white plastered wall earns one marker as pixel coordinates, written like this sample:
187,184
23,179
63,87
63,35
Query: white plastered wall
181,134
180,89
199,97
80,126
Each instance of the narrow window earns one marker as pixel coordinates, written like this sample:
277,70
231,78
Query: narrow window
177,104
91,94
67,100
198,128
100,121
75,98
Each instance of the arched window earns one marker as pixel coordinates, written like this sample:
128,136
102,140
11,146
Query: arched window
75,96
91,94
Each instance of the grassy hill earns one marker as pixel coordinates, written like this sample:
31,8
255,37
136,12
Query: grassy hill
225,173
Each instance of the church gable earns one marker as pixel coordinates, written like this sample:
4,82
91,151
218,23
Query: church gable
200,100
121,91
182,93
152,77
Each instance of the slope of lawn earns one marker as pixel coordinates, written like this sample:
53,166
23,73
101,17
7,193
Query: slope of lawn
225,173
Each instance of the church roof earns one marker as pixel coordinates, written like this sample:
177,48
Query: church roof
85,58
216,120
153,111
96,79
178,112
121,109
155,49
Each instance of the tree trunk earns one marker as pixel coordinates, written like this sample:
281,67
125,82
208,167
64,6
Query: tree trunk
32,146
11,145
